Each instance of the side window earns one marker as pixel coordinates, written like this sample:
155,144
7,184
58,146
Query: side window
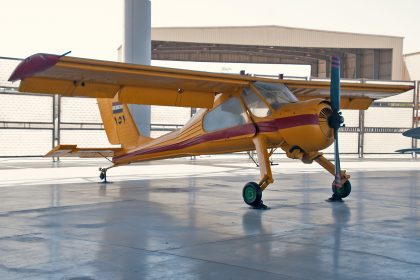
254,103
228,114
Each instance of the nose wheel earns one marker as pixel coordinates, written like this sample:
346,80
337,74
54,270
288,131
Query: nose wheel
252,195
339,193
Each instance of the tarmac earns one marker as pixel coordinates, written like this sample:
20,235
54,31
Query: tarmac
185,219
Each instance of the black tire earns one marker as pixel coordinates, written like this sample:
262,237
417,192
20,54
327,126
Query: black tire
344,191
252,194
102,175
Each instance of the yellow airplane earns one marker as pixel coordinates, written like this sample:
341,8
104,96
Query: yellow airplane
240,113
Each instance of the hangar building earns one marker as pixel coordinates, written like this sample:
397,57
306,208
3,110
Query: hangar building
363,56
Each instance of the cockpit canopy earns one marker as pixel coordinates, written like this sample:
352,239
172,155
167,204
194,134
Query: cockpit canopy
260,98
263,97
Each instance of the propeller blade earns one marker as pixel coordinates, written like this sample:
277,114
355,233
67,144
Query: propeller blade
335,84
337,181
336,118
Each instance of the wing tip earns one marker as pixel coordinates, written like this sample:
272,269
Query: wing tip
34,64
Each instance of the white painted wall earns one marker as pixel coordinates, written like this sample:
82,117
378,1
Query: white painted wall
412,63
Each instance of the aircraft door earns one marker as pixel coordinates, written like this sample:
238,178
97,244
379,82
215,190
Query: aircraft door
229,119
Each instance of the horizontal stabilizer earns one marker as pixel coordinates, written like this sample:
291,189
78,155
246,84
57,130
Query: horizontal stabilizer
406,151
74,151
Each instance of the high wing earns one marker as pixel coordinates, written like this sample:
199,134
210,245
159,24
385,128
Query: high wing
150,85
353,95
135,84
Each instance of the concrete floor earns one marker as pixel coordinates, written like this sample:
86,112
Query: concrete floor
182,219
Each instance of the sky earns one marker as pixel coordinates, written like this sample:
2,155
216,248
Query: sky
94,28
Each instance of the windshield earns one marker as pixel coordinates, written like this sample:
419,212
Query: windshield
276,94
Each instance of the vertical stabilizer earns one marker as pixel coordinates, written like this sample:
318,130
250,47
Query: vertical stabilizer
119,125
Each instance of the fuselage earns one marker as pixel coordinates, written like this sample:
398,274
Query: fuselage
233,122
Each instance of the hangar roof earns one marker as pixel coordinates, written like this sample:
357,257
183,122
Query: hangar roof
276,36
368,56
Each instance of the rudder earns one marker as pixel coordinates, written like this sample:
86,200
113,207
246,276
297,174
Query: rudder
119,125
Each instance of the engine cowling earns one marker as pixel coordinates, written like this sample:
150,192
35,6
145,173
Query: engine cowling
312,133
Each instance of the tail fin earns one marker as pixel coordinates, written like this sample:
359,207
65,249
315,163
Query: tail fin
119,124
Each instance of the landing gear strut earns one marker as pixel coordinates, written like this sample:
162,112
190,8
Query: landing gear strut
338,193
252,191
307,158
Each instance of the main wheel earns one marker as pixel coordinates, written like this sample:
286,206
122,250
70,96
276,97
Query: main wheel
344,191
252,194
102,175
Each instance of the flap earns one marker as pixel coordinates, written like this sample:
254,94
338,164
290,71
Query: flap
74,151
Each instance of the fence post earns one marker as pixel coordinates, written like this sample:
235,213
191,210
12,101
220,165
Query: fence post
415,113
56,123
361,138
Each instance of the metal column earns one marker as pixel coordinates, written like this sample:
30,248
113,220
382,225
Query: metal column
376,64
137,49
358,66
361,136
56,122
415,113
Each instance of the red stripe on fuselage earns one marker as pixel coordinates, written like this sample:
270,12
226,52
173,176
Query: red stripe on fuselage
268,126
287,122
217,135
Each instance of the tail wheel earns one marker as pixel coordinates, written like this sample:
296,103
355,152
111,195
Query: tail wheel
342,192
252,194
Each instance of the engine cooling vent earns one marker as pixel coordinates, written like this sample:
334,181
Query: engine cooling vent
323,122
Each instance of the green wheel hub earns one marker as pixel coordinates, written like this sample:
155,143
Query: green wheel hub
252,194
